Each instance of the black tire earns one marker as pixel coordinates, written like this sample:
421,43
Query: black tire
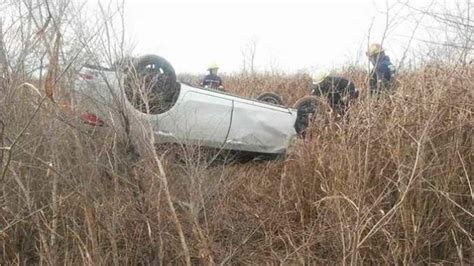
154,77
306,108
270,97
159,63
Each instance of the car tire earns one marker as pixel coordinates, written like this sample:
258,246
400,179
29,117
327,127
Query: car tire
306,108
159,62
156,78
270,97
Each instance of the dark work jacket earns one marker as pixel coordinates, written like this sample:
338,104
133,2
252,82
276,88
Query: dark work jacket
212,81
381,75
335,85
335,88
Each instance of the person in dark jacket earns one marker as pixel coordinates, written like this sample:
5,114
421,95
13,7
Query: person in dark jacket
212,80
338,90
382,74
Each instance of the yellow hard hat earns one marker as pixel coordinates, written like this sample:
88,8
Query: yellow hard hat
213,66
320,76
374,49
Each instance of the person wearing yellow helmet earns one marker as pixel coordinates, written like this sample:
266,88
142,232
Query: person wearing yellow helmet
338,90
374,49
212,80
383,72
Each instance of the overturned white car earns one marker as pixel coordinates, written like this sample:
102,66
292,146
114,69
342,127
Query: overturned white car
184,114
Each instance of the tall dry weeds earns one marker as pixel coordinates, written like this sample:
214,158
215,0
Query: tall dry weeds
392,183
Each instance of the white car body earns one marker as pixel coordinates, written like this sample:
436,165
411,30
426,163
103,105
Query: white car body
199,116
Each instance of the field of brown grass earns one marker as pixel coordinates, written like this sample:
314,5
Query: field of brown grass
391,184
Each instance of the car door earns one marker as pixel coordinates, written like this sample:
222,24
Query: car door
259,127
199,118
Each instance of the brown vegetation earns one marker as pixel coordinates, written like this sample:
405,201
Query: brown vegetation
392,183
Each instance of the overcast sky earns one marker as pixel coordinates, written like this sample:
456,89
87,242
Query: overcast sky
290,35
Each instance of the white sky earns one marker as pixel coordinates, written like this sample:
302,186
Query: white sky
290,35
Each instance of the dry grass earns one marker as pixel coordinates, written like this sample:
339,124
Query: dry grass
393,184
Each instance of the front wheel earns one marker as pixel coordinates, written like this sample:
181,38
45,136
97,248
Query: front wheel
307,108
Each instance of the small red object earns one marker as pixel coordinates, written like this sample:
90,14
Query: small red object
86,76
91,119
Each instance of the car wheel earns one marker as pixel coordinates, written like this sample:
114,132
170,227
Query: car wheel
270,97
306,108
150,84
